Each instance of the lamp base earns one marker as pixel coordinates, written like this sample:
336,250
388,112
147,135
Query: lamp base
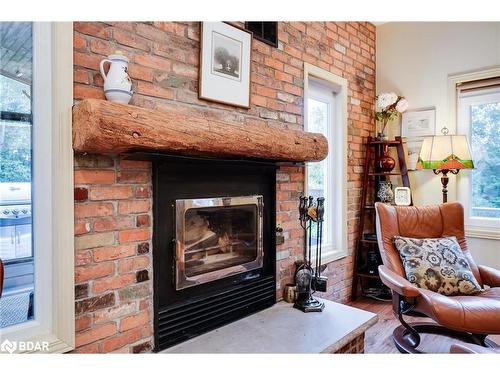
444,180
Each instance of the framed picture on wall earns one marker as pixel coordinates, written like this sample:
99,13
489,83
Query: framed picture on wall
418,123
225,58
413,147
415,125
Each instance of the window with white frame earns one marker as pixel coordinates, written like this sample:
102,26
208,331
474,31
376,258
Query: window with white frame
16,250
478,116
325,112
36,230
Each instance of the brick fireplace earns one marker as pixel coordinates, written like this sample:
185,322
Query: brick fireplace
214,259
113,196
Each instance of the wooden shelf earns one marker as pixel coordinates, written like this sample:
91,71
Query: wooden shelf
372,207
388,143
385,174
368,275
366,240
102,127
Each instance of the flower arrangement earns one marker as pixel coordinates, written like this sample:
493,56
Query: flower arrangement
389,107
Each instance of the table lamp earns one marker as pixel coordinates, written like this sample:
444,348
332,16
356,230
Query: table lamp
445,154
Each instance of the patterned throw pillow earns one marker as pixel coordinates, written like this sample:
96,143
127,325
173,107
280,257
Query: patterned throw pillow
436,264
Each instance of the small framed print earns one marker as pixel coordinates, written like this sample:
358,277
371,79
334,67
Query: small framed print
418,123
402,196
413,147
225,58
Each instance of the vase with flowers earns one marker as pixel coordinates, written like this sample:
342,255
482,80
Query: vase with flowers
389,107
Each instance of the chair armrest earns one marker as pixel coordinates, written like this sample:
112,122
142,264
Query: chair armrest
397,283
490,276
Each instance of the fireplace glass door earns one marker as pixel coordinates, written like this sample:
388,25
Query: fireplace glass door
216,238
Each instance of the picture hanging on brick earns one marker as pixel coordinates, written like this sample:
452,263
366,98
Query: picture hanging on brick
225,64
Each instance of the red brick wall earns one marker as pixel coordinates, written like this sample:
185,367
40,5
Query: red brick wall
113,254
112,196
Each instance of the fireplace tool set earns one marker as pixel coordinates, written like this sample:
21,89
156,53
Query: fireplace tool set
308,279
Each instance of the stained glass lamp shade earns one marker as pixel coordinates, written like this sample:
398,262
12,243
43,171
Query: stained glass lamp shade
445,153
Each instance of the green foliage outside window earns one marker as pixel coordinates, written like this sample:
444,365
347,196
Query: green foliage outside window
485,140
15,136
317,118
15,152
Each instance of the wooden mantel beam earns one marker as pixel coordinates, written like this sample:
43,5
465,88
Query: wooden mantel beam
102,127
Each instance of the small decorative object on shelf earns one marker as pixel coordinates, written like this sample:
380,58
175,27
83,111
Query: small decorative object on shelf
372,262
384,192
389,107
117,83
280,238
402,196
386,162
308,279
289,293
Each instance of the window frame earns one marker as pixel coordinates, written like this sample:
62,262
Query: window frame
337,140
474,227
52,176
465,184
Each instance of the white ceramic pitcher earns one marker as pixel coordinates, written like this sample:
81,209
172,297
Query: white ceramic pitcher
117,83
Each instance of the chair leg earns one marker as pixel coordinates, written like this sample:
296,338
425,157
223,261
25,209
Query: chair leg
407,336
413,336
482,340
403,340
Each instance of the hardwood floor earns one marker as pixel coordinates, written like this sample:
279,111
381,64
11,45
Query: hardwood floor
378,339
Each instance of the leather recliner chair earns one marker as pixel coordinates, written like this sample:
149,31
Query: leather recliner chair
467,317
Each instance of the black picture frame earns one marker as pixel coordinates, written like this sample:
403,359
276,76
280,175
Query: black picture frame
264,31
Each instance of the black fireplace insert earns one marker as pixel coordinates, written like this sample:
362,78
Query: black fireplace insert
213,244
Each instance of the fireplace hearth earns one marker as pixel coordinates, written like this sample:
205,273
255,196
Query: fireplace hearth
214,243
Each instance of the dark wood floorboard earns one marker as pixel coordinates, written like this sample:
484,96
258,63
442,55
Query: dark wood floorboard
378,339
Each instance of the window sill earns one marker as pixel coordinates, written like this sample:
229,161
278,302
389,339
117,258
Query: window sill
42,342
54,345
330,257
481,232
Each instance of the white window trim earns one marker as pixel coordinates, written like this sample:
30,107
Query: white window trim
53,219
338,149
482,228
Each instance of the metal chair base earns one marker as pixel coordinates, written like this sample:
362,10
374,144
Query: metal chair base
407,337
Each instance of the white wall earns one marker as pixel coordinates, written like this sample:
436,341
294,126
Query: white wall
414,59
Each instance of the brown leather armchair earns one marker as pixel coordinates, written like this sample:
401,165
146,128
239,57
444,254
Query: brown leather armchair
470,318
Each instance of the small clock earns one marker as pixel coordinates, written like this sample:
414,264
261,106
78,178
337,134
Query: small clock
402,196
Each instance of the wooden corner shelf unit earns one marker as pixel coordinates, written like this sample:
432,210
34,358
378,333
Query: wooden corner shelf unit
366,254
